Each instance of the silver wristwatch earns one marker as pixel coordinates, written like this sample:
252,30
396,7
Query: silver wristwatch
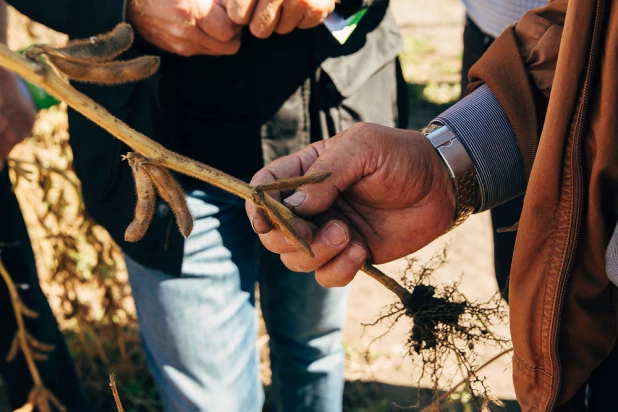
459,166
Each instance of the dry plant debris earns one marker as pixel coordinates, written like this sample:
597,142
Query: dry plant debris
112,384
33,350
89,299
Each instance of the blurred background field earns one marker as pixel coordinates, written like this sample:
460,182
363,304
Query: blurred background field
84,277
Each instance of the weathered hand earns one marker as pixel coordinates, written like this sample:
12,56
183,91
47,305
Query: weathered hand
17,114
185,27
281,16
389,195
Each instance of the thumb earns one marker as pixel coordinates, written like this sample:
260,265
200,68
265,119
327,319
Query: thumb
346,159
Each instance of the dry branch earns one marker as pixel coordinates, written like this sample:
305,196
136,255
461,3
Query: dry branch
112,384
39,397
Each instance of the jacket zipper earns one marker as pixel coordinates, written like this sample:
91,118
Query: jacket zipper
578,194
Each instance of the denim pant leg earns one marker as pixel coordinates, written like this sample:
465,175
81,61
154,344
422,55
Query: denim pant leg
305,323
199,330
304,320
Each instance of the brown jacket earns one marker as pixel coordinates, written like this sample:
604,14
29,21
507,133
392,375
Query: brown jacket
556,76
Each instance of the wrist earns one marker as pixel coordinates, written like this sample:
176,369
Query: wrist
433,185
459,166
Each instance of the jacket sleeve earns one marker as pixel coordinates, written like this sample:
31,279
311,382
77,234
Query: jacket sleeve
77,18
519,69
500,119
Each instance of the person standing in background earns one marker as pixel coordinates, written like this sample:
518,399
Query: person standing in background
486,20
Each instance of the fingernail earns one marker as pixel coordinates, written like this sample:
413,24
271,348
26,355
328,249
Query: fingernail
296,199
334,235
356,252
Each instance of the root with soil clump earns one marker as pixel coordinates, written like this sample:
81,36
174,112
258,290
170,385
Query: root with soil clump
445,329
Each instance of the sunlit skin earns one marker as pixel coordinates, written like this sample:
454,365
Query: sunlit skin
185,27
389,195
265,17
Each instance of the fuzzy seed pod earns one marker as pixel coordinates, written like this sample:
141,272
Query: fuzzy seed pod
145,205
172,193
108,73
96,49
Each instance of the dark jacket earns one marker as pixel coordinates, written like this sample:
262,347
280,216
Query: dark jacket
232,112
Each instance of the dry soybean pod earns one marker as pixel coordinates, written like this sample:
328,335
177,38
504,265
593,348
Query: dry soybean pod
171,191
119,72
96,49
145,205
158,175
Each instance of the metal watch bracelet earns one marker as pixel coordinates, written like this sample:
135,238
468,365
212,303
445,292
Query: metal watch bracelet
459,166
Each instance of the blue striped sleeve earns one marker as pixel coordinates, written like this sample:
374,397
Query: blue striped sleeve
480,123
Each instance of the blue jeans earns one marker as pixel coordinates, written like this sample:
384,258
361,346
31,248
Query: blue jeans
199,330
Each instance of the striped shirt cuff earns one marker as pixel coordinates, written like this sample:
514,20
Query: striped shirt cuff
481,125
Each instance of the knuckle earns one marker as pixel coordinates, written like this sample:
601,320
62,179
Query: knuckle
356,130
233,17
285,29
183,49
305,4
232,47
295,262
270,240
227,36
317,11
238,17
229,32
261,225
258,31
238,11
184,11
329,280
261,177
